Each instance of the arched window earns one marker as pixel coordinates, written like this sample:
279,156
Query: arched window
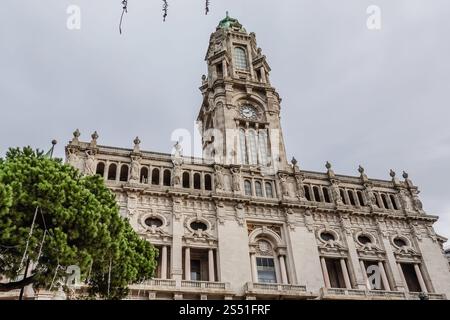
269,190
385,202
243,145
197,184
155,177
100,169
258,189
252,148
394,202
240,58
360,198
326,195
341,191
266,271
248,188
144,175
351,197
307,193
316,194
208,182
263,147
377,200
167,178
112,171
186,181
124,173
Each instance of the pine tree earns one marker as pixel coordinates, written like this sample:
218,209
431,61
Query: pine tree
77,223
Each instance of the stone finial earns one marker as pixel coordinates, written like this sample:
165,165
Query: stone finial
137,143
76,135
203,78
405,175
328,165
94,137
294,161
392,173
361,169
54,142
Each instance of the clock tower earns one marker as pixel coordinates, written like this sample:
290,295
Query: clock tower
239,119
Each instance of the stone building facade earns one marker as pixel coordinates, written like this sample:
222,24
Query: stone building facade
244,223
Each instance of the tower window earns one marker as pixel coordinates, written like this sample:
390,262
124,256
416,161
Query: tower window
167,177
326,195
252,149
144,175
155,176
394,202
248,188
208,182
186,180
360,198
243,145
112,171
240,58
316,194
307,193
269,190
385,202
263,147
124,173
100,169
197,184
341,191
351,197
258,189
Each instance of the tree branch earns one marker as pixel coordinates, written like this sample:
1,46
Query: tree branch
17,284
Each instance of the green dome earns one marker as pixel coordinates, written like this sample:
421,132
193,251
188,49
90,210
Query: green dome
229,22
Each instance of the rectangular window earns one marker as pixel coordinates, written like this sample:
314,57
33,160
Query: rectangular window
411,277
196,270
335,273
266,270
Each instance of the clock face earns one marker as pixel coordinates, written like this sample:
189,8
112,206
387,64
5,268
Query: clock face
249,112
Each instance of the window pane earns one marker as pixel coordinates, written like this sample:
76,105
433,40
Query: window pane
252,150
243,153
240,58
248,188
269,190
263,147
266,270
258,189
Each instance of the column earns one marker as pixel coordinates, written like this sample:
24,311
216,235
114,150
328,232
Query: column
402,276
211,265
326,277
384,278
254,268
284,278
364,272
423,287
348,285
263,75
164,262
224,69
187,264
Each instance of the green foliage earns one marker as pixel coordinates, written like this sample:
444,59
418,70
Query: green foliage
83,226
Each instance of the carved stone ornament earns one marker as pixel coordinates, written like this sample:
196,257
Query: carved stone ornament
219,181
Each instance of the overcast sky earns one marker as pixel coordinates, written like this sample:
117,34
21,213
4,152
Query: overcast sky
379,98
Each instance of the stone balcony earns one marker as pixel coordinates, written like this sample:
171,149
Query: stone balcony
356,294
274,291
155,286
